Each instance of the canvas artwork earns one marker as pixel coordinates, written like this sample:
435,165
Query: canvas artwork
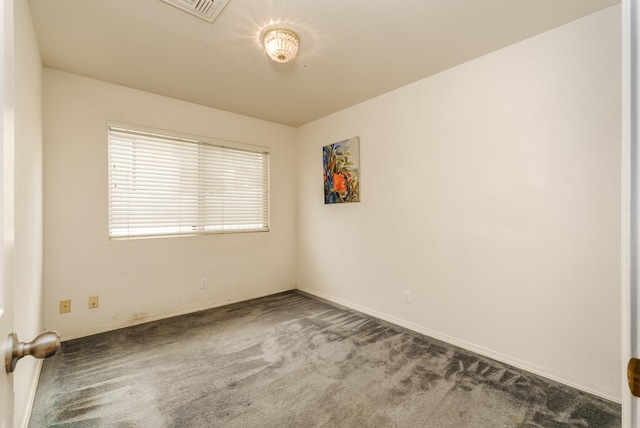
341,164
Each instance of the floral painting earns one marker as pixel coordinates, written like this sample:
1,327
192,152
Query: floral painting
341,164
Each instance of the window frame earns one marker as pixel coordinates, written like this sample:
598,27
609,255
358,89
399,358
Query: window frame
119,232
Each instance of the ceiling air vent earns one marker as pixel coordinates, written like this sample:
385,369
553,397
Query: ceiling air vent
205,9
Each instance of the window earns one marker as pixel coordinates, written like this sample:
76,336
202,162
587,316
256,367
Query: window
163,184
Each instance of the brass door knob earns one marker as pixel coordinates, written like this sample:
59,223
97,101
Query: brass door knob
43,346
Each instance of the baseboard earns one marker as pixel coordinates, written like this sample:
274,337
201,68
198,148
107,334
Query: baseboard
32,396
162,315
549,374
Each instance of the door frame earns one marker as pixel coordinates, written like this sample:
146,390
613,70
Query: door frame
630,209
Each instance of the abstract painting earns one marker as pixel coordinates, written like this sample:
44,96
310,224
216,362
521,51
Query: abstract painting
341,165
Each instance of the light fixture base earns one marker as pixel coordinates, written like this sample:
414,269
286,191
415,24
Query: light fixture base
281,44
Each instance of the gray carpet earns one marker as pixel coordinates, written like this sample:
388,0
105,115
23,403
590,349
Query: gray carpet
290,360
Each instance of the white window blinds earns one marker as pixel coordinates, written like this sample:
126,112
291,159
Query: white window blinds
162,185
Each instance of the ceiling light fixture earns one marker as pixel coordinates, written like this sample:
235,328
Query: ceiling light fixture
281,45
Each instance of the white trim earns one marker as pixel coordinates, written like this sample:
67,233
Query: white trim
32,395
162,315
549,374
630,189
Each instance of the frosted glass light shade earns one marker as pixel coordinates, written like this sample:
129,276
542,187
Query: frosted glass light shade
281,45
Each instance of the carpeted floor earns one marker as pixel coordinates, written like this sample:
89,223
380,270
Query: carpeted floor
289,360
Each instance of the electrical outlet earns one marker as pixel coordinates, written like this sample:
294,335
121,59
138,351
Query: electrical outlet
407,296
93,302
203,283
65,306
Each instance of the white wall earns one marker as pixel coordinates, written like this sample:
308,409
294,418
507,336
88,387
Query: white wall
491,192
144,279
28,296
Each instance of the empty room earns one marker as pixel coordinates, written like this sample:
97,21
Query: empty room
236,213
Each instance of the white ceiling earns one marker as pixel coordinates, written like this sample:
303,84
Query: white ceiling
350,50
